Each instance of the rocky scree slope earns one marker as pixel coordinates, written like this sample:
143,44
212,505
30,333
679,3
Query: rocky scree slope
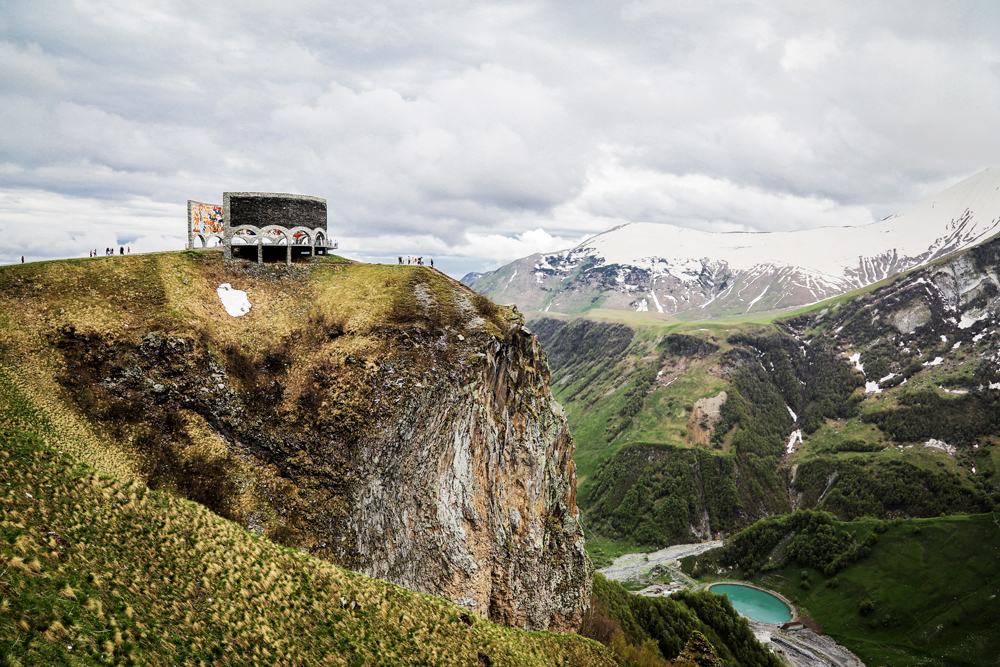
927,346
880,404
701,275
382,418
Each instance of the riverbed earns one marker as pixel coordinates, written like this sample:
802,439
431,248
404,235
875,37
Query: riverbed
637,567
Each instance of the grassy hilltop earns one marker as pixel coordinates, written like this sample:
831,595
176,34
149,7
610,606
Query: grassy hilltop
105,558
97,567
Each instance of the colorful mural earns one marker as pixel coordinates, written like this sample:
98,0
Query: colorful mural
274,219
206,219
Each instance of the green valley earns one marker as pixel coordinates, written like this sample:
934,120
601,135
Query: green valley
913,592
689,430
878,408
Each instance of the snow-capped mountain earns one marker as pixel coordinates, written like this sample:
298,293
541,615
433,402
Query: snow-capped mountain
676,271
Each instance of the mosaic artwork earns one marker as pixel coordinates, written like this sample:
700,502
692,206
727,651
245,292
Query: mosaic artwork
269,232
206,219
261,221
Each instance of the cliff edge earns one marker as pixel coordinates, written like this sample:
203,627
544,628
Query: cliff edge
383,418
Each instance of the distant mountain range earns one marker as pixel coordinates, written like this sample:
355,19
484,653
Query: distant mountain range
700,275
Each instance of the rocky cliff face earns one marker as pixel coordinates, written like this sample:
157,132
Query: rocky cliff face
384,418
468,492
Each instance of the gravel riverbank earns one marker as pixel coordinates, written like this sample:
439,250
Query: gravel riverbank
637,567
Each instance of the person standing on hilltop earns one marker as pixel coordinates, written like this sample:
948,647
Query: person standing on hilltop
22,259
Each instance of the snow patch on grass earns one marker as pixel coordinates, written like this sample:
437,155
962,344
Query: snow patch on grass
968,320
794,439
235,301
940,444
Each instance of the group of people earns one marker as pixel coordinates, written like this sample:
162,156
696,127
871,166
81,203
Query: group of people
122,250
415,260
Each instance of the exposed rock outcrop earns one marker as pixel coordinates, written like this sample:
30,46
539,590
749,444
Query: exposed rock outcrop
468,492
698,652
387,419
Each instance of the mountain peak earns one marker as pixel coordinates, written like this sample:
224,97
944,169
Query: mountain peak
650,266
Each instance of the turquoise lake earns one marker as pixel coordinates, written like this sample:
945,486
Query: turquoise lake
758,605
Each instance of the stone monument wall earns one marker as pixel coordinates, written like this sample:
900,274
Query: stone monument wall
262,209
271,219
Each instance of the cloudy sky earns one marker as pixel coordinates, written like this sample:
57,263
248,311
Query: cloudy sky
477,133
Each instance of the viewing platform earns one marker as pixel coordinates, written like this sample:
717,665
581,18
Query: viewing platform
262,226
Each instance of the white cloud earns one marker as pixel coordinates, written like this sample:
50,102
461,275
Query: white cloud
41,225
808,52
488,246
464,129
617,193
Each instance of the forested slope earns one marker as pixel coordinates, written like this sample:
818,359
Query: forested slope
661,627
896,592
883,403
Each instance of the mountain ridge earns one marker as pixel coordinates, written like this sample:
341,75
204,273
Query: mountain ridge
843,406
704,275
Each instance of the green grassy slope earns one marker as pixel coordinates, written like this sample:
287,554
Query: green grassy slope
597,378
98,567
636,400
933,584
99,570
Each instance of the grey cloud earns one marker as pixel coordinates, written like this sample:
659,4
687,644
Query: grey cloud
443,123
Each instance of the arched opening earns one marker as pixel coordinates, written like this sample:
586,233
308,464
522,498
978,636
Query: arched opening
321,242
274,243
